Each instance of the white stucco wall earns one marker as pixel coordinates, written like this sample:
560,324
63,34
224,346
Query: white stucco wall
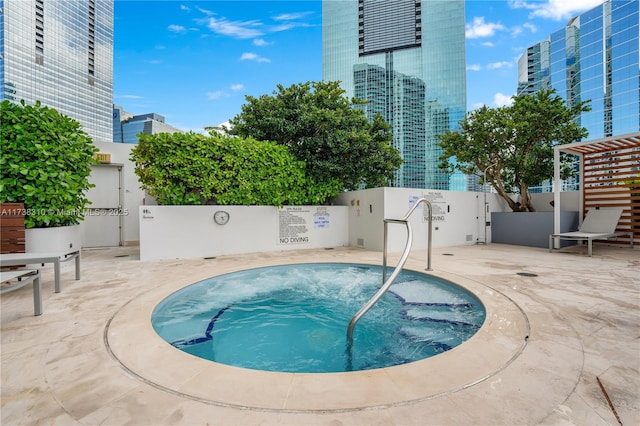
569,201
357,220
457,217
133,195
174,232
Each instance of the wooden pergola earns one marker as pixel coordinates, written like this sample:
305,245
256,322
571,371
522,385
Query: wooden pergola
609,177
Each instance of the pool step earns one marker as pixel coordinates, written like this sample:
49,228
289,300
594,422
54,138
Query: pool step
413,292
442,314
439,338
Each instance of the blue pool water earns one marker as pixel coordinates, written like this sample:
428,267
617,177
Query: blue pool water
293,318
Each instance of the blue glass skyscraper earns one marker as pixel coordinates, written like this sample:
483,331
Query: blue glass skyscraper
60,53
407,59
594,57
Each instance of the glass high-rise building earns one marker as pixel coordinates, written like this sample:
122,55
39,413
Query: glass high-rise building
407,59
127,126
60,52
594,57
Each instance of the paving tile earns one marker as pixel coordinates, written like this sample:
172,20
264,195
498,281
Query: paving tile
93,358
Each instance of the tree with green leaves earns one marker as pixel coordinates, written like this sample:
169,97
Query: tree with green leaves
513,145
193,169
45,163
321,127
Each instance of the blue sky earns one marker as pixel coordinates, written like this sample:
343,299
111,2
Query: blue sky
195,61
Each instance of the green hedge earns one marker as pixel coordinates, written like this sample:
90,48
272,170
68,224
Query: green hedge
191,169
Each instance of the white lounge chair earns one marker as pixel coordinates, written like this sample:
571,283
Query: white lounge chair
19,278
16,259
599,224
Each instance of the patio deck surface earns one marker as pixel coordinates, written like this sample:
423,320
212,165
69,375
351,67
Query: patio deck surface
548,343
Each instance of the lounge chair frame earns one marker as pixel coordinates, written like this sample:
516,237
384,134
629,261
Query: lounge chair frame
15,259
23,277
599,224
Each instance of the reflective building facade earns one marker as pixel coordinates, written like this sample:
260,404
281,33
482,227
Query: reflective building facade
60,53
407,59
127,126
594,57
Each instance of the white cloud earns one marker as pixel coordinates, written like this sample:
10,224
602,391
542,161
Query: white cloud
530,27
252,28
474,67
177,28
260,42
500,99
291,16
155,62
216,95
498,65
488,44
219,94
253,57
288,21
185,8
479,28
237,29
285,27
205,11
129,97
556,10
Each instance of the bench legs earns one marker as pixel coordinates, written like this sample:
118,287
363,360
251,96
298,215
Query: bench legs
37,296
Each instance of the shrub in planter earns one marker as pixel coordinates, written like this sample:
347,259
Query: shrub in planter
45,163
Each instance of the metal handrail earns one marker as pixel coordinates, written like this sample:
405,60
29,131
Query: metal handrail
405,219
394,274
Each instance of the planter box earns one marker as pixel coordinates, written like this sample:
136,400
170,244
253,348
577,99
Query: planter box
56,239
530,229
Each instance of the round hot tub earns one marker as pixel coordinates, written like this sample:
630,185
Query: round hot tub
293,318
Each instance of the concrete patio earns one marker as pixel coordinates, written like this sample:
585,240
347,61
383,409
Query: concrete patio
553,336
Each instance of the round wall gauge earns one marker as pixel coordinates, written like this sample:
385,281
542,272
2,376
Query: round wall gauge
221,217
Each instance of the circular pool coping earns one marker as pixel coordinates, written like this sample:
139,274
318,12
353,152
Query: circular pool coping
134,344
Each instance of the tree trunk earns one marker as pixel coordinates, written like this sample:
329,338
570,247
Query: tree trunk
512,204
526,203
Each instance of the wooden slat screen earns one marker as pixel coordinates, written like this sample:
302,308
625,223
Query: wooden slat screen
12,233
611,178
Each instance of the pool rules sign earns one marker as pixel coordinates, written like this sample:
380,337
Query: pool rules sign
295,223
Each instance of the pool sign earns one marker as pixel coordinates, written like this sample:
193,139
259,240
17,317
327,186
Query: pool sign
321,218
293,225
147,214
414,199
438,207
